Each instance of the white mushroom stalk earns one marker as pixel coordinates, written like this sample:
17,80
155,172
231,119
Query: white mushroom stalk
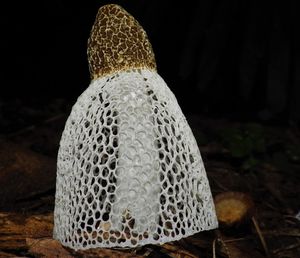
129,171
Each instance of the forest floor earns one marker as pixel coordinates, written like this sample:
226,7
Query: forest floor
260,160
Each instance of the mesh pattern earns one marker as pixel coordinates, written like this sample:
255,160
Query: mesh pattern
129,171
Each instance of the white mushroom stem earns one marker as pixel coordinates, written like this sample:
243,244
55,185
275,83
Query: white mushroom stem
138,165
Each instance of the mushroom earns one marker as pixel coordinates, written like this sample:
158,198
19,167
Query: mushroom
129,171
233,208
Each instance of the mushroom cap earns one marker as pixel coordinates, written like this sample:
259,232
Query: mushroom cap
233,208
117,43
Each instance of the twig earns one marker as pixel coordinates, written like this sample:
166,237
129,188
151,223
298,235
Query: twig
237,239
214,248
223,244
174,251
281,233
289,247
261,237
292,219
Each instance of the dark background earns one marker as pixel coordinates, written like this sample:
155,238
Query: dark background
224,59
234,67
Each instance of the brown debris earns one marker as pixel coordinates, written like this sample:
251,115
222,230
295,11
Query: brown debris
118,43
34,234
104,252
15,228
175,251
238,250
47,248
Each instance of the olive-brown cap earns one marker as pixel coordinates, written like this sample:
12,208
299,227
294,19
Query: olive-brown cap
117,43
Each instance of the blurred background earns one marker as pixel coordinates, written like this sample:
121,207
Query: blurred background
235,59
234,67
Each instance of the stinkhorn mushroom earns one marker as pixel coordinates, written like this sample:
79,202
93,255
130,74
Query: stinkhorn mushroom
129,171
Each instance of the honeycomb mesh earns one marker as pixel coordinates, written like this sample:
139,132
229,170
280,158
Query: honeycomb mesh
129,171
